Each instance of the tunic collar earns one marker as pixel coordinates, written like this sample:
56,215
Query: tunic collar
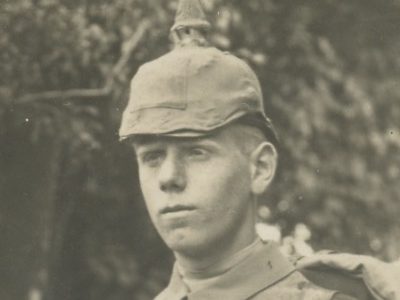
262,269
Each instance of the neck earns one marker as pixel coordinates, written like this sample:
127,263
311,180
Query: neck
223,249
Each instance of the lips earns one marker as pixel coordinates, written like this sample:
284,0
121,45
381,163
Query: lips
177,208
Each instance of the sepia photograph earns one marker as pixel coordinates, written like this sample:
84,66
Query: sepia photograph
199,150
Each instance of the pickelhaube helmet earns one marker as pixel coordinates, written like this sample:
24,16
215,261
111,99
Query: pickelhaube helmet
195,88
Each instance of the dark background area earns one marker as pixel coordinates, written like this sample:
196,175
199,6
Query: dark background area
72,222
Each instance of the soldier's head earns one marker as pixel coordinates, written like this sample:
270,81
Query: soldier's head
204,145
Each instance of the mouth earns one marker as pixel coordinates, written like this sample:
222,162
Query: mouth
177,209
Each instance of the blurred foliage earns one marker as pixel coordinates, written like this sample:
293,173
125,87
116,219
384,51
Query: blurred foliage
329,72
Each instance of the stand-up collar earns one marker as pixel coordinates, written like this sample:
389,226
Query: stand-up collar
262,269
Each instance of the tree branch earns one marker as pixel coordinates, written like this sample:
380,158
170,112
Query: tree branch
63,95
128,48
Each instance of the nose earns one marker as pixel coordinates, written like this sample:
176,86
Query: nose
172,175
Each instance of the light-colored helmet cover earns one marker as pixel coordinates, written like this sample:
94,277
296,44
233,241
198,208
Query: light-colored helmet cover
192,90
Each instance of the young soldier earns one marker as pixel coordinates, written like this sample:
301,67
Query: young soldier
206,151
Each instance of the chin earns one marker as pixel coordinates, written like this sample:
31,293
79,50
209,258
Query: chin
185,242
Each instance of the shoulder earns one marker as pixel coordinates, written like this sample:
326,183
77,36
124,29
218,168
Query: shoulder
335,278
296,286
340,281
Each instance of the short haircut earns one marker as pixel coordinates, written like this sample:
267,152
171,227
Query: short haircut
248,137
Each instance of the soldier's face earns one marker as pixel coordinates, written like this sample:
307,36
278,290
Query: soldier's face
197,191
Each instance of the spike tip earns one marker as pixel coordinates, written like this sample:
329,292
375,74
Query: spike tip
190,25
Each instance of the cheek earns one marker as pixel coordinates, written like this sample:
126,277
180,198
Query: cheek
236,177
224,187
148,186
147,177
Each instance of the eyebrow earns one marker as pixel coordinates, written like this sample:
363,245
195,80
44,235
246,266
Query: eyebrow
209,143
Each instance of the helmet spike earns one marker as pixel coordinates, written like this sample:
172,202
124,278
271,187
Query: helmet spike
191,25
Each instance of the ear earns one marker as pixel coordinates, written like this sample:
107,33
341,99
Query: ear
264,160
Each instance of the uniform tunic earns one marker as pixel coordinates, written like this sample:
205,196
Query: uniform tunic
264,274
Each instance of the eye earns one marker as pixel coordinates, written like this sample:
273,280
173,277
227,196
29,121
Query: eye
197,153
152,158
